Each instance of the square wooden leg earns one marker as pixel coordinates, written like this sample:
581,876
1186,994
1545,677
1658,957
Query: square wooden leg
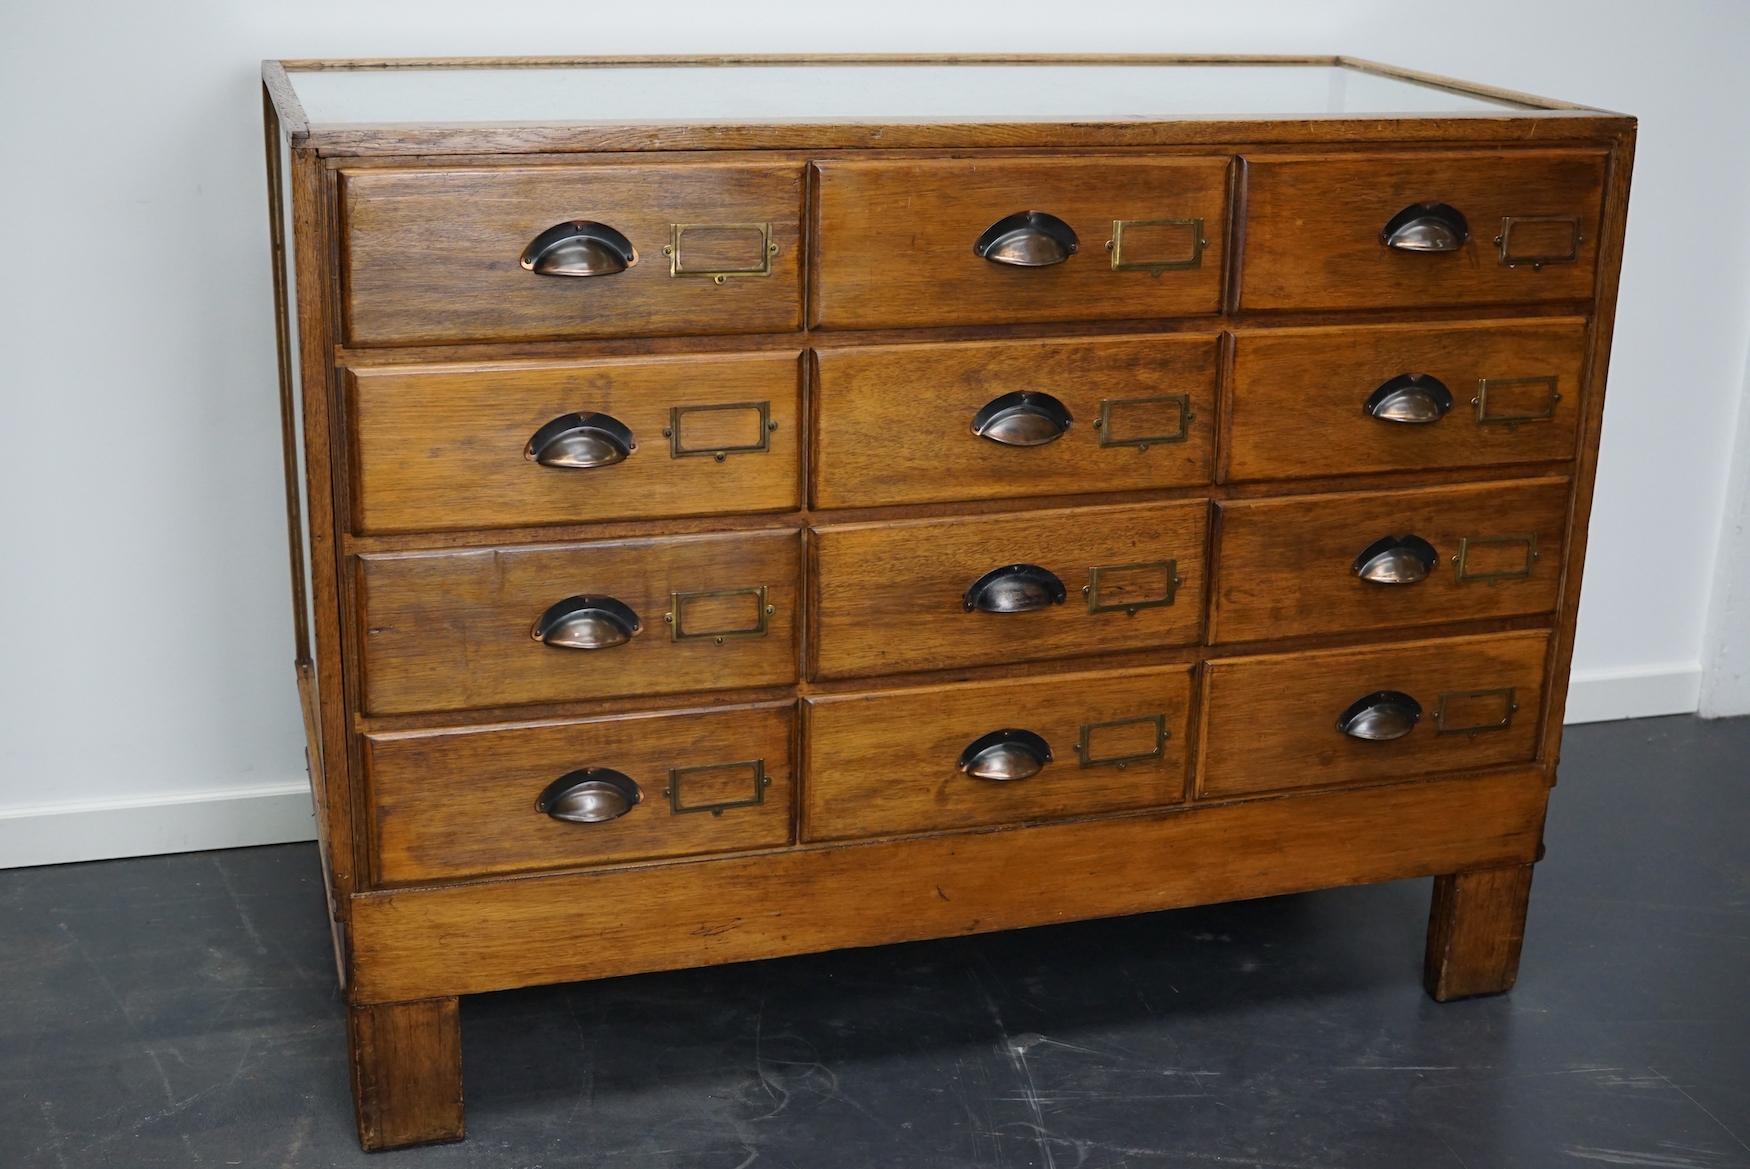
406,1072
1475,929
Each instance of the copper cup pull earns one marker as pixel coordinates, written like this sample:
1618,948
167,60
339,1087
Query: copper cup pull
1411,398
581,247
1027,239
1005,756
1015,588
587,623
1381,716
1396,560
581,441
1022,418
590,796
1426,227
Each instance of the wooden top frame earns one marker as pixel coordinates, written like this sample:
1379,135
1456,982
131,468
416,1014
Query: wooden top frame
1502,116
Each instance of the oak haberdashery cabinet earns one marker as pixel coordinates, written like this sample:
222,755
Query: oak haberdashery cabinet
743,507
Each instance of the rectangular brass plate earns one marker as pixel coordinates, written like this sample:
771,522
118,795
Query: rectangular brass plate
1085,744
1539,228
1467,546
1477,711
1496,385
677,442
1097,577
1143,231
1113,406
714,266
678,629
756,780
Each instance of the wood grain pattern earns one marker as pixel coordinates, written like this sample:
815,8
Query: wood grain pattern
406,1072
890,597
1287,566
1476,927
443,447
433,255
887,762
1313,224
462,939
450,631
895,239
894,422
1295,406
461,803
1269,723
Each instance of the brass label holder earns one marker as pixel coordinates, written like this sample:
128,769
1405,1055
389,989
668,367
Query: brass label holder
1495,384
1084,742
675,252
1142,442
676,794
1115,246
1468,544
1442,711
677,448
1170,582
676,617
1504,241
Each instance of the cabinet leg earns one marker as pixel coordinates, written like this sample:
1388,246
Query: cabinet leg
406,1072
1475,929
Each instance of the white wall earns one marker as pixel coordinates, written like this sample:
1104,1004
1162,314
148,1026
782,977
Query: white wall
144,632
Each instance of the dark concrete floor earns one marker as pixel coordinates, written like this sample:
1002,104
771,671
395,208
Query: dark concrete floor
181,1011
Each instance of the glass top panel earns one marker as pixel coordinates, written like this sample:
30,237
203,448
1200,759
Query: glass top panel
873,93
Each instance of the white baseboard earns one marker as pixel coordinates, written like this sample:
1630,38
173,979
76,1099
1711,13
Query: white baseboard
1596,696
280,813
52,834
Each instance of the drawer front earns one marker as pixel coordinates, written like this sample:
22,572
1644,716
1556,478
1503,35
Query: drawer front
1316,229
457,630
994,753
897,240
1003,419
1275,722
894,596
1334,401
440,255
451,804
1321,564
441,447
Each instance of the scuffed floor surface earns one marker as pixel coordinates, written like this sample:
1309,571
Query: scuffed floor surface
181,1012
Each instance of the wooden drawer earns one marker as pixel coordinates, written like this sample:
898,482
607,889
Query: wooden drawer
893,596
454,630
1314,227
892,762
1272,722
896,422
1302,399
454,446
438,255
896,240
463,803
1287,567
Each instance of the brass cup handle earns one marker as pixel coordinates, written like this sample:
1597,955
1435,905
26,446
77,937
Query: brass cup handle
1381,716
590,796
1005,756
1396,560
1027,239
1022,418
581,441
1015,588
1411,398
581,247
587,623
1426,227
